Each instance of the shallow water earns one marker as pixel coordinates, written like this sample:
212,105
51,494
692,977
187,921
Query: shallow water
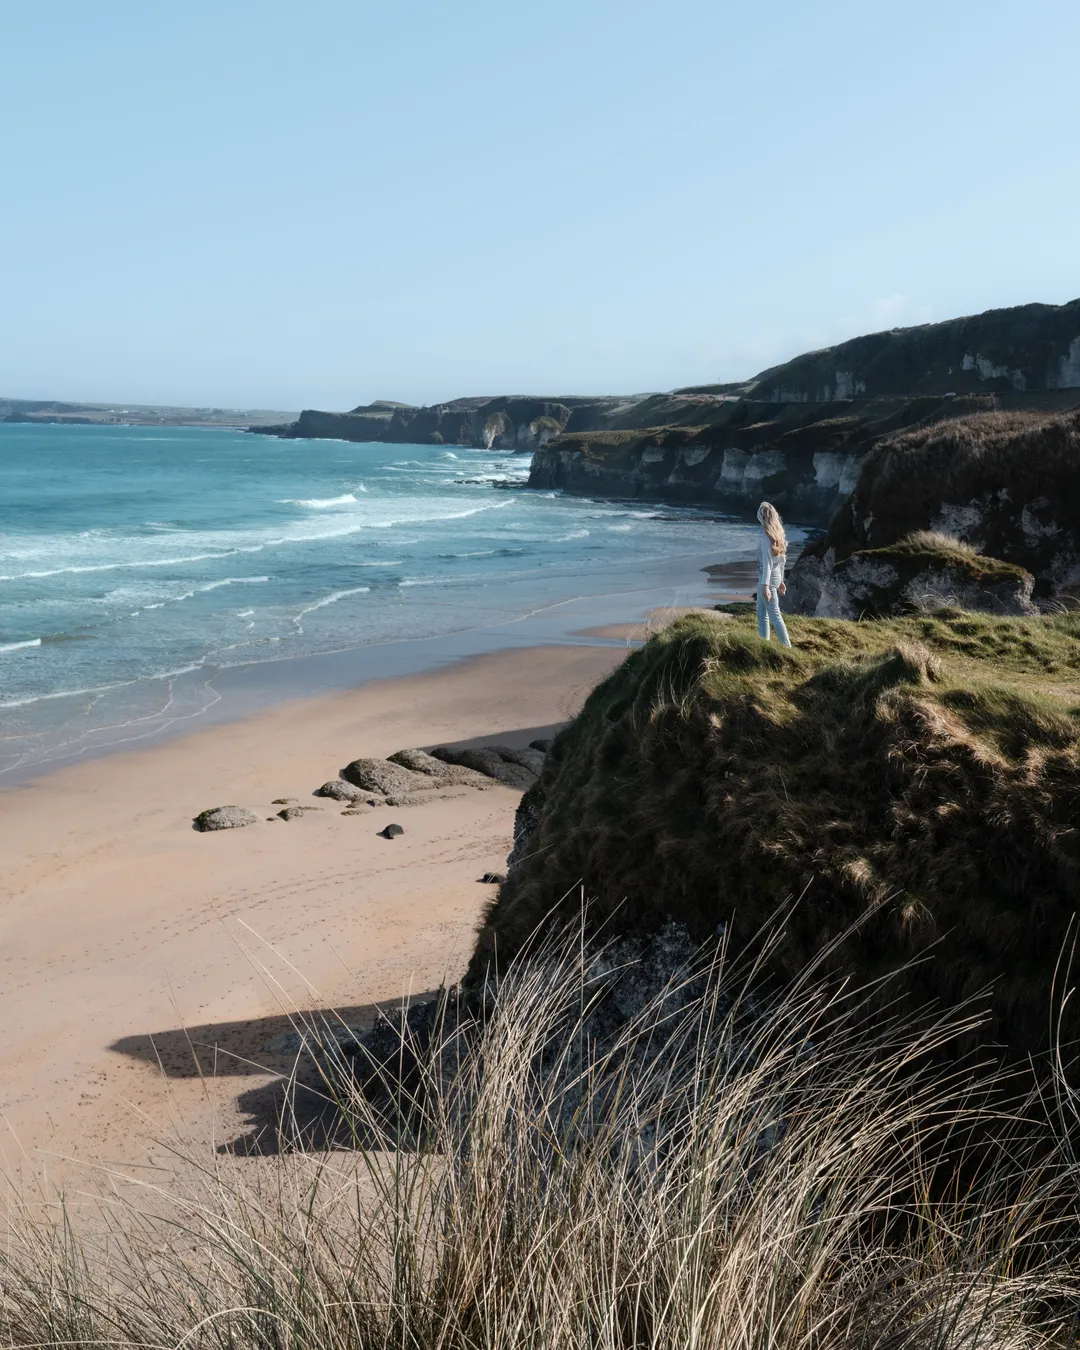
136,563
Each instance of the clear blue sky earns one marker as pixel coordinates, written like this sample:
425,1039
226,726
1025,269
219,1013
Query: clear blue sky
285,204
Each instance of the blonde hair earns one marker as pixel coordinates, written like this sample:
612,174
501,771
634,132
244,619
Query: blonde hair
769,519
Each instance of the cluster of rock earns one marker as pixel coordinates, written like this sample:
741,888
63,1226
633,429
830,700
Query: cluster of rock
407,778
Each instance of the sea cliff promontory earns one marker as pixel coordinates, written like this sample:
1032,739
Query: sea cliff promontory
796,433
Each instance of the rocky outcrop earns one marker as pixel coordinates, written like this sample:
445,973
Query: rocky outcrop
515,768
439,771
1005,485
379,775
916,574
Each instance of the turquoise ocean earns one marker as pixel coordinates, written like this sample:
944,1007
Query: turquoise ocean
146,572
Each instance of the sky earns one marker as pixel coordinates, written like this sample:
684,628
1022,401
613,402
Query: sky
282,205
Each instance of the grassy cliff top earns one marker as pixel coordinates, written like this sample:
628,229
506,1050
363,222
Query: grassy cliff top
921,775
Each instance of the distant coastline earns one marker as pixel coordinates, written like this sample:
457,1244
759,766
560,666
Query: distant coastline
52,412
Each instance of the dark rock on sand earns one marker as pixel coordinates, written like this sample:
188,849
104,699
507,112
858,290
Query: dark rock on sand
419,761
543,745
496,761
392,831
225,818
283,801
492,879
291,813
379,775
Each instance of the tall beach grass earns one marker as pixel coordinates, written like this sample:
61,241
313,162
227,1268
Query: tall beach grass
702,1171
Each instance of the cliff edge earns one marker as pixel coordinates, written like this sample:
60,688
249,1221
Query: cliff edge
915,777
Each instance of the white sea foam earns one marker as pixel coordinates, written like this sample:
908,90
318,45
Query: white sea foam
574,534
19,646
321,503
232,581
331,599
244,613
117,566
424,511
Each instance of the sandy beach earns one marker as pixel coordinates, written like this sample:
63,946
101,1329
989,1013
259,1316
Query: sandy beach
148,970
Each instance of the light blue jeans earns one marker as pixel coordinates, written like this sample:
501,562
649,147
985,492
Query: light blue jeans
771,610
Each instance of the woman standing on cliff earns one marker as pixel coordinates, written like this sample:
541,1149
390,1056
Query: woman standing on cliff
772,554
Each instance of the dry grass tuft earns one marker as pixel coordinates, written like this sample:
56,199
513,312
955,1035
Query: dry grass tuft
936,541
770,1179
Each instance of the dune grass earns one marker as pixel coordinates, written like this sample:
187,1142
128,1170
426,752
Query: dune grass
716,1174
925,769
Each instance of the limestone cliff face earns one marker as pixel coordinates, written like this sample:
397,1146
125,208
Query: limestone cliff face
796,433
1005,485
803,457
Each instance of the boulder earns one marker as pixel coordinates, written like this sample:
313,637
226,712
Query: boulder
379,775
225,818
340,791
291,813
544,744
492,879
530,759
496,761
419,761
392,831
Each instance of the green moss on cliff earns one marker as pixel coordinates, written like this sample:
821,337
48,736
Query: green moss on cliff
922,774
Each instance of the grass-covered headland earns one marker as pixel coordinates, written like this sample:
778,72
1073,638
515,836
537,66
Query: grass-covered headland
918,777
725,1147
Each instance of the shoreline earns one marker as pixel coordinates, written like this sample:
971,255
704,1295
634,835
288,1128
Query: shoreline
219,696
148,969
